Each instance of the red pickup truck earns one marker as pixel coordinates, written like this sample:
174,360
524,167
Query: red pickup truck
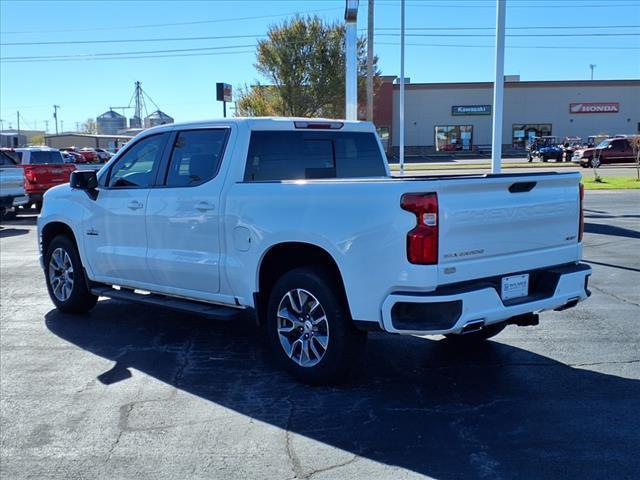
43,168
611,150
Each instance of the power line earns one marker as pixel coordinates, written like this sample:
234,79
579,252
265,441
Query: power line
139,52
532,47
133,40
546,5
154,25
555,27
225,37
516,35
128,58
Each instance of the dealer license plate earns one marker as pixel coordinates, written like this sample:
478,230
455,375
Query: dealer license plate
515,286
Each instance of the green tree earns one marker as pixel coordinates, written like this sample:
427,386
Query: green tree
303,60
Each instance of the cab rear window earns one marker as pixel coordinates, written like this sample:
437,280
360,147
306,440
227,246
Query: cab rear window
46,157
295,155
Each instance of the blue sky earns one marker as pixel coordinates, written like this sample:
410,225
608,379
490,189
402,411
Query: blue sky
183,84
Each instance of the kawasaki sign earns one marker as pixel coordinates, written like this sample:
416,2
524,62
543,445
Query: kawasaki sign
458,110
608,107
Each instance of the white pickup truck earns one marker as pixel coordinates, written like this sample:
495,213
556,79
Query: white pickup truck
12,194
299,223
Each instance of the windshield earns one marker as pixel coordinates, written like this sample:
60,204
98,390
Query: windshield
6,159
603,144
47,156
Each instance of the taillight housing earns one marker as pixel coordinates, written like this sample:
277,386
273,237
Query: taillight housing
581,221
422,240
31,176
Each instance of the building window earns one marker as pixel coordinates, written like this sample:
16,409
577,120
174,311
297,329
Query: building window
451,138
522,133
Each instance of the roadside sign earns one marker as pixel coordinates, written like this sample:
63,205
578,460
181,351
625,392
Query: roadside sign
223,92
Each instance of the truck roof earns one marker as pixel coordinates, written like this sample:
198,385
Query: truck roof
274,123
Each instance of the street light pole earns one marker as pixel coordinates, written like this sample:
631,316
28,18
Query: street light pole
351,59
370,27
401,112
592,66
498,89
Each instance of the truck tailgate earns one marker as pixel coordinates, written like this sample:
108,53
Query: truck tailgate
44,176
11,181
507,223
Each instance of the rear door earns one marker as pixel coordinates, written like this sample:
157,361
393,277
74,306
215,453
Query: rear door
115,230
183,214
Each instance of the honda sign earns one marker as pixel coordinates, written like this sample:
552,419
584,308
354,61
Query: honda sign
609,107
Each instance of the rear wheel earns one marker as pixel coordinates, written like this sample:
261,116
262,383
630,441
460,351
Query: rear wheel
544,158
310,328
65,277
479,336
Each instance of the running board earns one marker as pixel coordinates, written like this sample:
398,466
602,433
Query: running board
218,312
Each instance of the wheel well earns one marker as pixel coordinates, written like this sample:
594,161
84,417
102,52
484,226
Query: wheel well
285,257
52,230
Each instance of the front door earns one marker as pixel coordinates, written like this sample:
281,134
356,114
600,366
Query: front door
183,215
115,228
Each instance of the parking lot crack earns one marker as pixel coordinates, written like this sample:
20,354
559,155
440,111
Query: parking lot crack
293,458
613,295
184,363
332,467
123,421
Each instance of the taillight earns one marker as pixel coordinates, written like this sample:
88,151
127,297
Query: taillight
30,176
581,221
422,240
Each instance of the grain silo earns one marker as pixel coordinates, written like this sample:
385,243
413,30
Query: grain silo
157,118
110,122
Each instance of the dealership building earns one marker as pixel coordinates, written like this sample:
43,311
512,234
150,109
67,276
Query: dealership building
441,117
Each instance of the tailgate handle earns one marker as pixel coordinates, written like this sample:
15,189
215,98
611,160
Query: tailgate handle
522,187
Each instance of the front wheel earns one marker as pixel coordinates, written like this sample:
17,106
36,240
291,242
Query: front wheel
544,159
65,277
479,336
310,328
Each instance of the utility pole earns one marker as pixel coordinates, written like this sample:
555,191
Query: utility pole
18,118
592,66
77,126
498,89
62,126
370,62
351,59
401,139
1,125
55,116
46,126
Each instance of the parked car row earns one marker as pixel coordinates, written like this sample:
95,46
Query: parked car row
85,155
617,149
36,170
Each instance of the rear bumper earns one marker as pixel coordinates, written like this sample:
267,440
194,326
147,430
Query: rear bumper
449,309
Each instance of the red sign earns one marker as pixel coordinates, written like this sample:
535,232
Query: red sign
608,107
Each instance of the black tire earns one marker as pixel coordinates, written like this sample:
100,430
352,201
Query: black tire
479,336
544,158
344,343
80,299
38,205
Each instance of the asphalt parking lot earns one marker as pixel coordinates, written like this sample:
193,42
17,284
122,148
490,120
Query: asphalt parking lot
135,392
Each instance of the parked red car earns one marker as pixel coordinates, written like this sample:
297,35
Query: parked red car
89,155
77,157
43,168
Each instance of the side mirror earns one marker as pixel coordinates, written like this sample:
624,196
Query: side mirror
86,180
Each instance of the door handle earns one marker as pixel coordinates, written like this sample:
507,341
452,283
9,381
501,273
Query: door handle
205,206
135,205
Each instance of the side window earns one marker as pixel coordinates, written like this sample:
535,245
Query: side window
196,157
293,155
137,167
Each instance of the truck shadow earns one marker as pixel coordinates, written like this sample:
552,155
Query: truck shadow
422,405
